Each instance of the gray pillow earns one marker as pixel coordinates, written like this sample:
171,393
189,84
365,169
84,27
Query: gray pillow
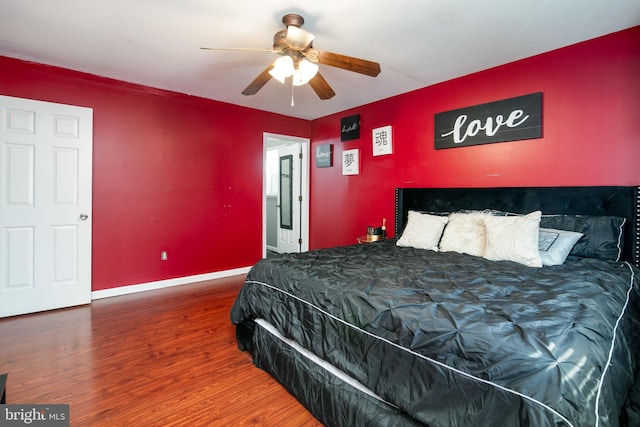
555,245
602,235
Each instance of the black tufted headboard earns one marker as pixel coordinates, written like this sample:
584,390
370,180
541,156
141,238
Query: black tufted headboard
612,201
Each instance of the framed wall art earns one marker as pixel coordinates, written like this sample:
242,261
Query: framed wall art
351,162
511,119
382,141
350,128
324,156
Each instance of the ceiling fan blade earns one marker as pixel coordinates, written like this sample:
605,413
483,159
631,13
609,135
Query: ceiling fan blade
349,63
258,82
321,87
298,37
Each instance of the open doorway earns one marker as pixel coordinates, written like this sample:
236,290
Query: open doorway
285,205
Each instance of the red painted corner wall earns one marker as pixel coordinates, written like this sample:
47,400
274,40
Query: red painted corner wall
170,172
591,136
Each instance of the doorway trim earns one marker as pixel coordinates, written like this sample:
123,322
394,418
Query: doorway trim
270,140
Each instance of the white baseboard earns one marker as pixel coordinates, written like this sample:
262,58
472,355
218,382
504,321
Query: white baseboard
141,287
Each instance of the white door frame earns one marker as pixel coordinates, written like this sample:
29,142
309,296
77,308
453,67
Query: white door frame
270,140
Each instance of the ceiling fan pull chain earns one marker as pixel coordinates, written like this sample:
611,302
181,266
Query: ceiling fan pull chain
292,104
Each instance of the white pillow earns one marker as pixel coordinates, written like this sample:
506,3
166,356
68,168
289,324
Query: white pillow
555,245
465,233
514,238
423,231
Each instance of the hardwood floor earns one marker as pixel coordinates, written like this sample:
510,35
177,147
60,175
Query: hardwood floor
158,358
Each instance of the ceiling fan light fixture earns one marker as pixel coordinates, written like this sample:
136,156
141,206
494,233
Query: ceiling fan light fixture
282,68
306,71
297,55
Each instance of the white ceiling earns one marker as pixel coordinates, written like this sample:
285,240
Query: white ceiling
417,42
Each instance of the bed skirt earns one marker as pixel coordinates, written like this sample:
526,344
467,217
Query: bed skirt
330,399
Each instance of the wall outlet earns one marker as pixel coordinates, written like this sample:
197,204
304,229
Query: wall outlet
163,255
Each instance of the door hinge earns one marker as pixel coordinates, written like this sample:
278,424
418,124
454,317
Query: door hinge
299,198
300,241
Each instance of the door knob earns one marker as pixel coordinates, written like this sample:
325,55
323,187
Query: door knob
84,217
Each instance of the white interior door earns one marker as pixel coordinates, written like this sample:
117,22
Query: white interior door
289,238
45,205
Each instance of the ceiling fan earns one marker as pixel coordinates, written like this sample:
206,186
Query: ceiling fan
299,60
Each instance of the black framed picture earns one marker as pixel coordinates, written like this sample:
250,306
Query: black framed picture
350,128
510,119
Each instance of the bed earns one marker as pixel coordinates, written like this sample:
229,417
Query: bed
422,329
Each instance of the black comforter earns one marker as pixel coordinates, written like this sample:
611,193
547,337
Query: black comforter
457,340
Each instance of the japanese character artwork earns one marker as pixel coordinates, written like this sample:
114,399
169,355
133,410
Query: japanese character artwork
351,162
382,141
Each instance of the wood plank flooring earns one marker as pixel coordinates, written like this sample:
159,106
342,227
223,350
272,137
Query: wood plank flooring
158,358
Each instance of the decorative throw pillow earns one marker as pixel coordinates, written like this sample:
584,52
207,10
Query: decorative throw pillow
602,235
423,231
514,238
465,233
555,245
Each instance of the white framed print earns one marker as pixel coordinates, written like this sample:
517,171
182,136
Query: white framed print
382,141
351,162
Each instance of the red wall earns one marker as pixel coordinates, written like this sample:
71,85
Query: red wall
184,174
170,172
591,136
